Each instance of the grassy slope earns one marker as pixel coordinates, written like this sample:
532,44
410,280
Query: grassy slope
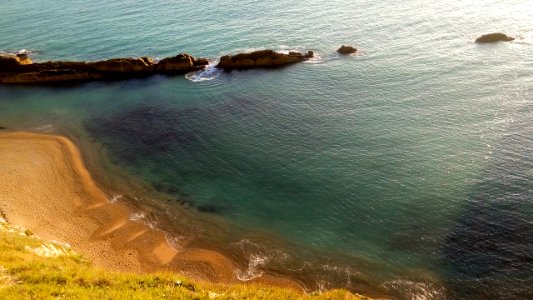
31,268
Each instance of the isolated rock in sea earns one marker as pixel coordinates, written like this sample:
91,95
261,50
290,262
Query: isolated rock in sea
494,37
20,69
262,59
346,50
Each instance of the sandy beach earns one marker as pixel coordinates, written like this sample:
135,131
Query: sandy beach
46,188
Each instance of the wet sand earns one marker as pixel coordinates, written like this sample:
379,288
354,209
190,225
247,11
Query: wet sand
45,187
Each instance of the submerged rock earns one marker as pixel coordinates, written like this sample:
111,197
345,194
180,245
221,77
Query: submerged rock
494,37
262,59
346,50
20,69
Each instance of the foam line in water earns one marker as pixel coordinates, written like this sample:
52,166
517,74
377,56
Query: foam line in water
142,217
46,127
175,242
21,51
255,262
209,73
415,290
114,198
316,59
137,216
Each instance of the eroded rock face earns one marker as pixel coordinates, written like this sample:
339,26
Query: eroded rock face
180,61
9,62
20,69
122,65
262,59
24,59
494,37
346,50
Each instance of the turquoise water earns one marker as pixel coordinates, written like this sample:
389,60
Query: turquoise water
405,170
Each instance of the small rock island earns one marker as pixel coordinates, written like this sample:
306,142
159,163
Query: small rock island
19,69
346,50
262,59
494,37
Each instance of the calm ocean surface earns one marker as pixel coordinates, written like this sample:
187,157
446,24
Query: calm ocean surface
406,170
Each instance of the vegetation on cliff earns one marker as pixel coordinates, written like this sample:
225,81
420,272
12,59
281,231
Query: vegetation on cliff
31,268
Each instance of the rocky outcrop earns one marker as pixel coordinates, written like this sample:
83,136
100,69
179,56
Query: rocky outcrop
10,62
20,69
494,37
346,50
123,65
180,62
262,59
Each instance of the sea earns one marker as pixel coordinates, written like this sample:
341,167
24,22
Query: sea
404,171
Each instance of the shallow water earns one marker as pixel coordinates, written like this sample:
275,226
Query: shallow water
404,170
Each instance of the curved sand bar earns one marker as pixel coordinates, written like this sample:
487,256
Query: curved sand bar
46,187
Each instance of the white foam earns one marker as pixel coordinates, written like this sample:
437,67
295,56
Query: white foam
253,270
416,290
114,198
208,73
316,59
258,257
137,216
46,127
175,242
22,51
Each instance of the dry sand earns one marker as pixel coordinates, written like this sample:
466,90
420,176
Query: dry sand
45,187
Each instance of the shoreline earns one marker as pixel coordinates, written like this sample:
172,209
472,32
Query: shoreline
49,170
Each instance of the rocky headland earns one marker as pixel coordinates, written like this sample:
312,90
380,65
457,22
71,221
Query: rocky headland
19,69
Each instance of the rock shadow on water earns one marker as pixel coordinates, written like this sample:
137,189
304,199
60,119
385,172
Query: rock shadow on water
489,254
144,130
151,135
185,201
209,208
150,129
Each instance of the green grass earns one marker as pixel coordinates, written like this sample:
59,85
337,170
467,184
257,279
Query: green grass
25,273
